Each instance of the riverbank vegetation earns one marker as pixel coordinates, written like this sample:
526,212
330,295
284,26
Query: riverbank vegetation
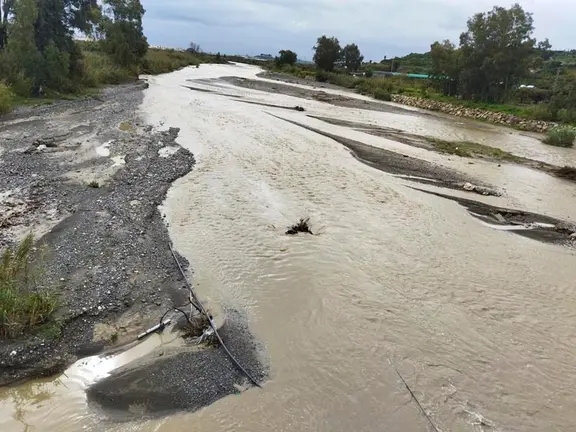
41,58
561,136
497,66
23,305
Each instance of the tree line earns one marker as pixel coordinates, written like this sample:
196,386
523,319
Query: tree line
328,54
496,53
37,46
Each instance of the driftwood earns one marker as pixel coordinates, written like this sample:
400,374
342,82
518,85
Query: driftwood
302,226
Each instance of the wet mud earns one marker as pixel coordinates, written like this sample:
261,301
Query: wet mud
532,225
317,95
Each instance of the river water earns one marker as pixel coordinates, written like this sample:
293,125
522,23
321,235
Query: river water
480,323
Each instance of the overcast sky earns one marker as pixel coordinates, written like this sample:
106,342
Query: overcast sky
379,27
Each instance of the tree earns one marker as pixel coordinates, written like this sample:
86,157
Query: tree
194,48
286,57
445,66
496,52
21,53
545,49
352,57
122,26
327,53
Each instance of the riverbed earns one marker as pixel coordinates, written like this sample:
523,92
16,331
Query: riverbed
479,322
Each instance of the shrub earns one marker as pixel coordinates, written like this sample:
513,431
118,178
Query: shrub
158,61
382,94
561,136
22,85
23,307
6,98
99,69
567,116
540,112
321,76
369,73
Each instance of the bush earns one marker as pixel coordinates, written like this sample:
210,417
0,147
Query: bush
6,98
22,86
561,136
22,306
369,73
382,94
540,112
99,69
321,76
159,61
567,116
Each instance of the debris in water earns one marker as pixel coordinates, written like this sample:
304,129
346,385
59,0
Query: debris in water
302,226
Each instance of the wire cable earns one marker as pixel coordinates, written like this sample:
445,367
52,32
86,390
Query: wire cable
202,309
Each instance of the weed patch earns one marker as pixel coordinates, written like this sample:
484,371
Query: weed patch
23,306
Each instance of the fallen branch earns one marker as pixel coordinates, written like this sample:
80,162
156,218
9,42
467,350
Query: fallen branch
302,226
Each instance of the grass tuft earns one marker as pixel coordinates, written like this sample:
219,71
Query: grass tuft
23,306
6,99
470,149
94,184
561,136
126,127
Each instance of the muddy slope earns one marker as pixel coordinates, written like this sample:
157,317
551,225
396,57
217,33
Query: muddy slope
107,247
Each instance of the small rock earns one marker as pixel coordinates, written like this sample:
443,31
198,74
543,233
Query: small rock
13,353
468,187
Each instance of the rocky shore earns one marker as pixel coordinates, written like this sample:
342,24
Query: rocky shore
91,198
475,113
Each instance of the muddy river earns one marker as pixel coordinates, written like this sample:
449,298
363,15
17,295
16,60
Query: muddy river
481,323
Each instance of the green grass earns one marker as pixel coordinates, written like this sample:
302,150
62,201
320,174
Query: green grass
23,306
98,70
6,98
51,330
382,94
561,136
470,149
126,127
159,61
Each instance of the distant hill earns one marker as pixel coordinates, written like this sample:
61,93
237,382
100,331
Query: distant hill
415,63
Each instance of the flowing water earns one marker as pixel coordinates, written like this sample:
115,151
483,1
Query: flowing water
481,323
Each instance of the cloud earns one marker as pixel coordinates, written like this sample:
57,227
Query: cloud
379,27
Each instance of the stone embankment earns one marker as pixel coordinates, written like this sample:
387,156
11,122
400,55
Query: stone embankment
475,113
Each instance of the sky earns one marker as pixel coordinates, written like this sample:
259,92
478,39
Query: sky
379,27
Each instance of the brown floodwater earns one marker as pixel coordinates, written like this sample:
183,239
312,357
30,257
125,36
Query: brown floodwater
481,323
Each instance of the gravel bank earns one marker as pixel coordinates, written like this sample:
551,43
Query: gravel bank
183,378
108,255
